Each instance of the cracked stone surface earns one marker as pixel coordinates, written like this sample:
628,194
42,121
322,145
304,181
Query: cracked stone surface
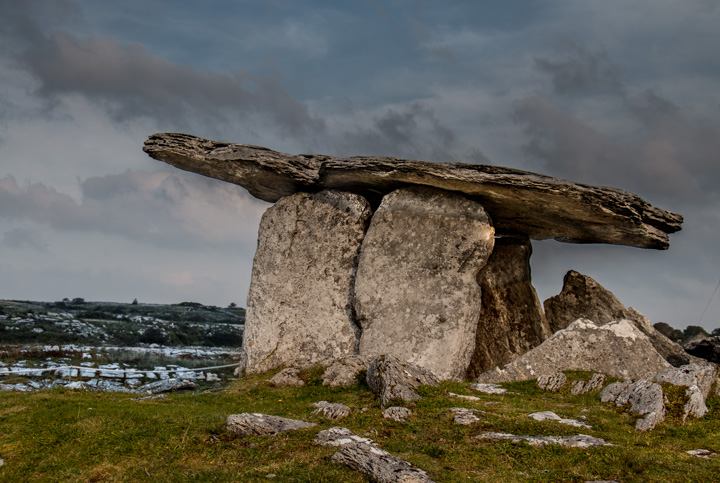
255,424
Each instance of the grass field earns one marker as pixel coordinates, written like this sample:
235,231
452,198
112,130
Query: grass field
65,435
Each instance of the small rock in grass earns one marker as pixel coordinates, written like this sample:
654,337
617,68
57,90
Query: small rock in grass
397,413
166,386
331,410
595,383
552,382
287,377
150,398
254,424
338,436
488,388
463,396
577,441
391,378
700,453
465,416
551,416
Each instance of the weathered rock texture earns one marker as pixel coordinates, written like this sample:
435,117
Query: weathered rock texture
254,424
331,410
344,372
596,383
643,397
551,416
617,349
363,455
416,296
552,382
287,377
577,441
582,297
465,416
698,379
298,309
512,320
398,414
519,202
391,379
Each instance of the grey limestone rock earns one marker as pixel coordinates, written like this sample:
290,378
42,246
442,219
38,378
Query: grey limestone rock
298,309
552,382
397,413
344,372
697,378
363,455
334,411
391,378
644,397
583,297
416,296
287,377
465,416
512,320
551,416
595,383
518,201
463,396
488,388
254,424
576,441
168,385
617,349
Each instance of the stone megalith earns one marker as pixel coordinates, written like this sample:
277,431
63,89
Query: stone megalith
298,310
583,297
416,295
512,320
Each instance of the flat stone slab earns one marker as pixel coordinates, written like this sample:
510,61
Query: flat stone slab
577,441
551,416
519,202
255,424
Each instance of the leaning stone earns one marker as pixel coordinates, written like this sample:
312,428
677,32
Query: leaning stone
583,298
331,410
254,424
488,388
421,243
552,382
617,349
338,436
551,416
168,385
287,377
298,311
397,413
518,201
577,441
465,416
379,465
512,320
391,379
344,372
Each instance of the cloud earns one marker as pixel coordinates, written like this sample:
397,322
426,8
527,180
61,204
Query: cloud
581,71
25,238
171,209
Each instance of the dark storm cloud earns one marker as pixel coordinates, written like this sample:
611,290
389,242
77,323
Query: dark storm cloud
157,208
411,132
580,71
668,153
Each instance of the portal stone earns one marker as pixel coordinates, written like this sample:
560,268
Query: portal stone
298,311
512,320
416,295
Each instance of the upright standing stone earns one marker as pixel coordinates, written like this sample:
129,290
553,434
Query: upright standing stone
416,294
298,310
512,320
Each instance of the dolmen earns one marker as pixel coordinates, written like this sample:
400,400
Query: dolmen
425,262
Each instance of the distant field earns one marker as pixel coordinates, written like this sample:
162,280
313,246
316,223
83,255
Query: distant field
102,323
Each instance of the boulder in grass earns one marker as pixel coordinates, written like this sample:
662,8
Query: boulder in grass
333,411
398,414
287,377
390,378
552,382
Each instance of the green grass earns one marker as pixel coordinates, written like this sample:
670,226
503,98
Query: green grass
79,436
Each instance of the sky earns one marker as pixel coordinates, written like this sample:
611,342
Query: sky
604,92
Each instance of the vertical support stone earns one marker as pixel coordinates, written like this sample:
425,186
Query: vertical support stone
298,310
512,320
416,295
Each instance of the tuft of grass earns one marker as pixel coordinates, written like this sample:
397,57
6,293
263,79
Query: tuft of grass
64,435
